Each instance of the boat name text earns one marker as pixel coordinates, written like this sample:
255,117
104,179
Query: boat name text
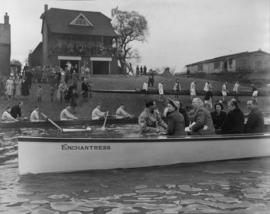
84,147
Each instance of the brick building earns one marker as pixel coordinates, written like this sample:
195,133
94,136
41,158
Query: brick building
77,38
5,47
256,61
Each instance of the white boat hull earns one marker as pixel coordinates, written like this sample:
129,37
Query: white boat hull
46,155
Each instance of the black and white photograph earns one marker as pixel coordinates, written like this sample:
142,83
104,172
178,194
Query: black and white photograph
134,106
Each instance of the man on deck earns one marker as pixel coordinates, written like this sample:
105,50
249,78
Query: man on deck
255,121
150,119
67,115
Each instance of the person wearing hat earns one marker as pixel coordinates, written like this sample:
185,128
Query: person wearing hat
234,122
150,119
175,120
218,116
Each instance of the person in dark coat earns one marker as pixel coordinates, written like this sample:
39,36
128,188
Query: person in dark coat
16,110
144,70
218,116
141,70
234,122
182,111
85,88
175,120
255,121
25,88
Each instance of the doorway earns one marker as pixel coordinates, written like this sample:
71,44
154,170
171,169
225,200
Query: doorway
101,67
75,64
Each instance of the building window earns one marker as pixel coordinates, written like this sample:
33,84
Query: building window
200,67
258,65
216,65
230,62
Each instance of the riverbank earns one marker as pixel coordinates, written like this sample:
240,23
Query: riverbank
110,101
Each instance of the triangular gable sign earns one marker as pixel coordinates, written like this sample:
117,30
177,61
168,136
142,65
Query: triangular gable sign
81,20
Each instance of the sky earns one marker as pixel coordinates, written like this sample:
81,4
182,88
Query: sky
180,31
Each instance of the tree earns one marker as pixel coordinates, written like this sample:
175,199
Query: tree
129,26
15,66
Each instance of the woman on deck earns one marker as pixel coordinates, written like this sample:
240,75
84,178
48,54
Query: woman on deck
175,120
218,116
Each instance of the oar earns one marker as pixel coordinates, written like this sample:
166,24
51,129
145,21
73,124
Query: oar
105,120
52,122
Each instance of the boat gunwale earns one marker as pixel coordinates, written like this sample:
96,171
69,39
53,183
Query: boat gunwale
144,140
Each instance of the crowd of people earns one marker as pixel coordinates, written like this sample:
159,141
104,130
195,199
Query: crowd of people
64,84
207,89
175,121
199,120
203,118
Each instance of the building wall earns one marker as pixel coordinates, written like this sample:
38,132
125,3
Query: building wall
35,58
251,62
259,62
69,46
5,49
192,69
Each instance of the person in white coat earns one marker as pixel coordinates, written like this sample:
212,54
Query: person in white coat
224,91
192,90
160,91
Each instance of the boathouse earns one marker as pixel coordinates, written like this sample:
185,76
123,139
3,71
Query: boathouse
76,38
256,61
5,46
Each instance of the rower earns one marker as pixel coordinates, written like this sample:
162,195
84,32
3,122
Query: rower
7,117
121,113
35,115
97,113
66,114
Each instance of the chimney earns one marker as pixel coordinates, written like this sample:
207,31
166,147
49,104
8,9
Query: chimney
6,19
45,7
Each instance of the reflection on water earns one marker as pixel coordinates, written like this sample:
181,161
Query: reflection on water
217,187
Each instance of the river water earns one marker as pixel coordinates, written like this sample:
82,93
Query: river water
239,186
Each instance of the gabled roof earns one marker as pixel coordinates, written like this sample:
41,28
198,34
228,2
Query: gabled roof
59,21
231,56
37,48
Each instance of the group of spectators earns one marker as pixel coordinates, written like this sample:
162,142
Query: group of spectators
207,89
65,85
199,120
16,85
